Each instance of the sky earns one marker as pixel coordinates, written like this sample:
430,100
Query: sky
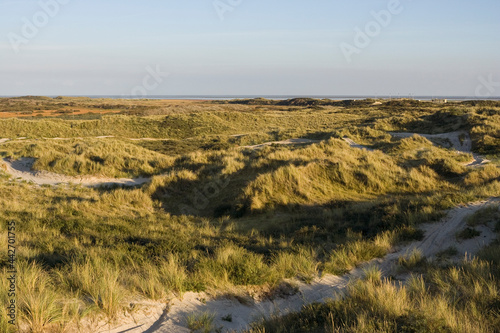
250,47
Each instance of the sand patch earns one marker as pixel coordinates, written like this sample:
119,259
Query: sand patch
460,141
22,169
438,237
284,142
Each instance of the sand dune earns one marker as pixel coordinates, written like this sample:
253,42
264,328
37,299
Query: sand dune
438,237
459,141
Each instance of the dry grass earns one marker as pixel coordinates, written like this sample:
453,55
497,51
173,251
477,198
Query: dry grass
101,157
220,216
450,300
38,299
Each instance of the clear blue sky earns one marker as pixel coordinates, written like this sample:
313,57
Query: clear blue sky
261,47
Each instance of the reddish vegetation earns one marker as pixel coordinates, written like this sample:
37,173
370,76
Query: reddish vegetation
52,113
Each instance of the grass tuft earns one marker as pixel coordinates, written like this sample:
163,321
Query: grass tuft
200,322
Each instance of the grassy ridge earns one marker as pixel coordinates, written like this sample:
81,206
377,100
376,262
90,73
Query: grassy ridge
176,126
292,118
109,157
318,174
223,217
461,298
455,299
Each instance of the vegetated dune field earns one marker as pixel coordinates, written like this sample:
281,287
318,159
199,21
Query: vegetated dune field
256,215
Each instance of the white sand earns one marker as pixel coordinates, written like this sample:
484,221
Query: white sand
451,140
441,236
438,237
354,144
171,318
22,169
284,142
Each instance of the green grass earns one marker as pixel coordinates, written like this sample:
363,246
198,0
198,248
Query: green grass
39,303
463,299
200,322
5,326
217,216
354,253
468,233
484,216
102,157
412,261
447,253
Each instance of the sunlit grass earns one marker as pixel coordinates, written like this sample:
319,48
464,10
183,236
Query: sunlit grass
217,216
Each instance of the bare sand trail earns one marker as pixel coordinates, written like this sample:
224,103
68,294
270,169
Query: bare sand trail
171,317
460,141
441,236
438,237
22,169
284,142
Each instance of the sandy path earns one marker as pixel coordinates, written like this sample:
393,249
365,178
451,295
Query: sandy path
284,142
441,236
22,169
438,237
460,141
355,145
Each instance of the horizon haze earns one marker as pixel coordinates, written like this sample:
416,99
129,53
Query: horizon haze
238,47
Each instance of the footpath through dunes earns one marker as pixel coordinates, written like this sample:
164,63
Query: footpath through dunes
438,238
283,142
460,141
22,168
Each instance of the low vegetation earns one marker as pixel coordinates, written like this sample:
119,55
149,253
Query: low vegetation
99,157
453,299
218,215
436,298
201,322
